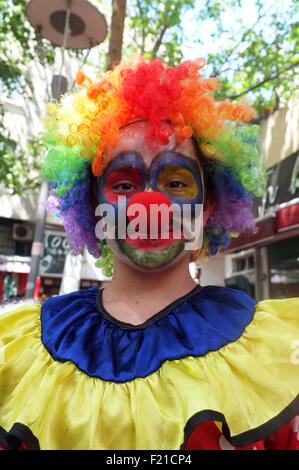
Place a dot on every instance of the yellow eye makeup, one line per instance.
(178, 181)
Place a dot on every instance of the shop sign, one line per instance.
(55, 250)
(275, 211)
(283, 185)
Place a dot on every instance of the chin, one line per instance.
(159, 259)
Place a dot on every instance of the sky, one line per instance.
(248, 13)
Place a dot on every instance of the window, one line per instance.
(7, 244)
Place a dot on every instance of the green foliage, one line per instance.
(257, 60)
(16, 166)
(154, 29)
(19, 168)
(19, 45)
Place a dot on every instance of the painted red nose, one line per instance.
(157, 209)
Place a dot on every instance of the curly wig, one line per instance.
(87, 122)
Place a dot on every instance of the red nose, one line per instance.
(157, 208)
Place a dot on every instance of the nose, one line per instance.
(151, 201)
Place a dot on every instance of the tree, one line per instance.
(255, 59)
(22, 53)
(18, 164)
(154, 29)
(258, 60)
(19, 168)
(116, 32)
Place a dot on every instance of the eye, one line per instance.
(123, 187)
(176, 185)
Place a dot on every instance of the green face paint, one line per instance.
(152, 259)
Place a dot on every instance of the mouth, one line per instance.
(149, 256)
(146, 243)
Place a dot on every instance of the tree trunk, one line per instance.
(116, 32)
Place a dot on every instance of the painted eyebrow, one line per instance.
(125, 152)
(159, 155)
(179, 154)
(110, 166)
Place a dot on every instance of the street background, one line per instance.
(251, 47)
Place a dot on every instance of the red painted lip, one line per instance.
(147, 244)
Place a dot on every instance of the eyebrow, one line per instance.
(176, 152)
(124, 153)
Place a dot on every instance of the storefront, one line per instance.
(14, 271)
(57, 264)
(16, 240)
(15, 247)
(266, 264)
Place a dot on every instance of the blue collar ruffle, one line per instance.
(76, 328)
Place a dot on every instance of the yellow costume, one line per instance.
(246, 375)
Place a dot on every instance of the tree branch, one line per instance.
(143, 32)
(267, 79)
(260, 16)
(159, 40)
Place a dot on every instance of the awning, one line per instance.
(282, 218)
(15, 264)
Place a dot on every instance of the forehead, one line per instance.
(132, 138)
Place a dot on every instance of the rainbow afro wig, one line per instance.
(87, 122)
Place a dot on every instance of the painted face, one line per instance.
(172, 170)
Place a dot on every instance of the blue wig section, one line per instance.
(80, 198)
(233, 211)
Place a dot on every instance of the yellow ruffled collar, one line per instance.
(250, 384)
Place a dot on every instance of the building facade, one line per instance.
(265, 264)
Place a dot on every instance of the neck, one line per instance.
(130, 283)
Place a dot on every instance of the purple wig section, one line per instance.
(232, 214)
(53, 203)
(78, 220)
(77, 235)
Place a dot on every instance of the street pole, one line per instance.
(84, 27)
(38, 242)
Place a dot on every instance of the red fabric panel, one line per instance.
(207, 436)
(22, 282)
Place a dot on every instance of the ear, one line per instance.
(208, 207)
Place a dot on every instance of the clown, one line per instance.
(153, 360)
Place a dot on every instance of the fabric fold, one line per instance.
(250, 381)
(73, 328)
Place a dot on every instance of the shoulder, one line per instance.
(22, 313)
(56, 304)
(221, 295)
(231, 305)
(287, 308)
(228, 298)
(19, 325)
